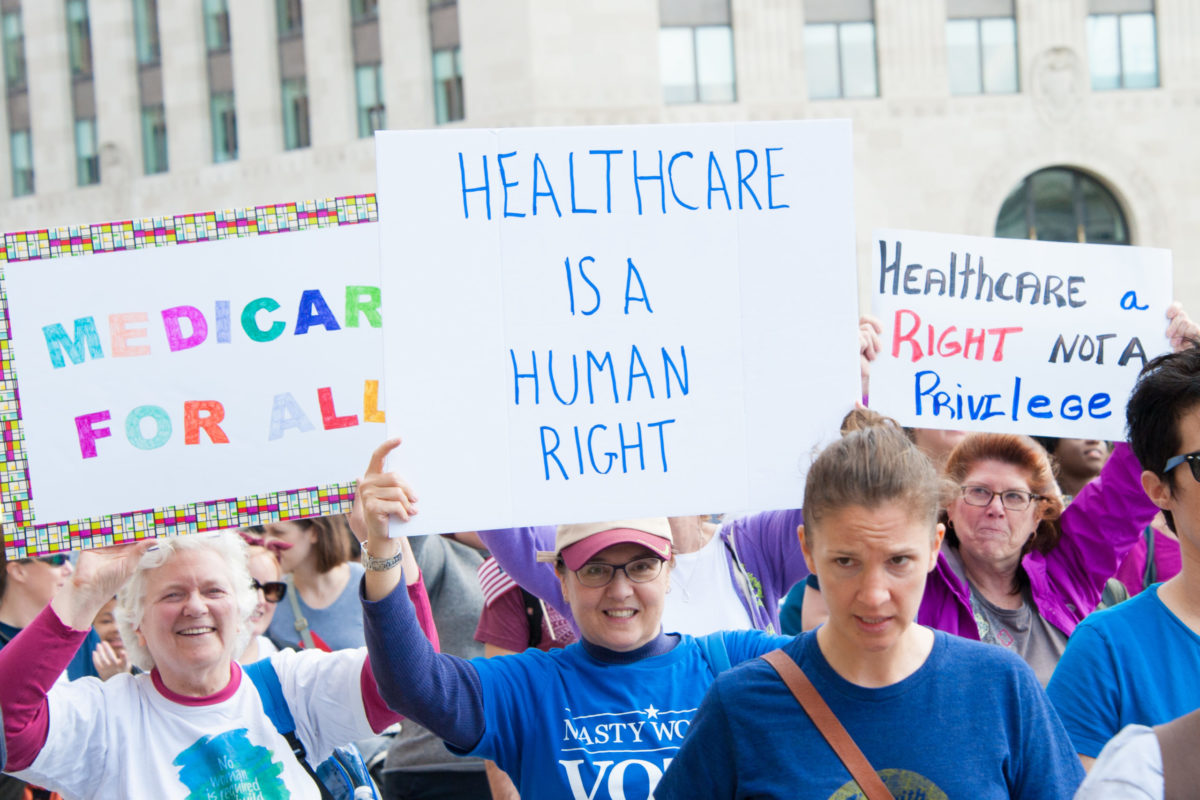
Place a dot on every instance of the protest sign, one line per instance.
(1018, 336)
(167, 389)
(595, 323)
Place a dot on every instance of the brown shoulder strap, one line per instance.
(829, 726)
(1179, 740)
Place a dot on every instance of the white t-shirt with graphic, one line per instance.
(130, 737)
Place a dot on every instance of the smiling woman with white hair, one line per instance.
(191, 725)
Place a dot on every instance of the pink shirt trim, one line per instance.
(235, 680)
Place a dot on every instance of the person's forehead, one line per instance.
(191, 566)
(885, 527)
(1001, 473)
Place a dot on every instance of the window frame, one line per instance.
(838, 27)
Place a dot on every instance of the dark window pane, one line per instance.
(1053, 193)
(1011, 222)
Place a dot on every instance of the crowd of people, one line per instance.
(948, 614)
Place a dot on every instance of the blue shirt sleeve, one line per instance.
(1085, 691)
(441, 692)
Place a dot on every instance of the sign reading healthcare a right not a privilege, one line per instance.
(1010, 335)
(613, 322)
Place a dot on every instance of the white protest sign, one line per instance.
(596, 323)
(1010, 335)
(218, 369)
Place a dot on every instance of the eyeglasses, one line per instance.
(273, 591)
(595, 574)
(1012, 499)
(1193, 460)
(56, 560)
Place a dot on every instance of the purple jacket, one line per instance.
(1099, 528)
(762, 551)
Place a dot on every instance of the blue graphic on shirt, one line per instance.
(228, 766)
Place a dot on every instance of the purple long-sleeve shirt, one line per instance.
(1098, 529)
(762, 552)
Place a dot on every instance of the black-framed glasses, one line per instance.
(595, 574)
(273, 591)
(1012, 499)
(1193, 460)
(56, 560)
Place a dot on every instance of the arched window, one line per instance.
(1059, 204)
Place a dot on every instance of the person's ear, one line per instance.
(804, 548)
(938, 537)
(1157, 489)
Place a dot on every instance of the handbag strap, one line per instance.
(827, 723)
(301, 624)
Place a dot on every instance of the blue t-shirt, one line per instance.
(339, 625)
(973, 722)
(1134, 663)
(565, 725)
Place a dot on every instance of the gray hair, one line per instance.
(131, 600)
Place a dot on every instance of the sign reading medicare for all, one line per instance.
(1011, 335)
(196, 372)
(602, 322)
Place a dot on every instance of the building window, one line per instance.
(79, 38)
(448, 85)
(154, 139)
(145, 32)
(981, 50)
(295, 114)
(368, 83)
(87, 154)
(288, 17)
(364, 10)
(21, 152)
(695, 51)
(224, 126)
(697, 64)
(216, 25)
(1060, 204)
(1122, 44)
(14, 51)
(839, 49)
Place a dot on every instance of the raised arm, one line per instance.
(439, 691)
(37, 656)
(516, 549)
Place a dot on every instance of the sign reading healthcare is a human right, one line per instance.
(1009, 335)
(594, 323)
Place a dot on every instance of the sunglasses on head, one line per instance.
(273, 591)
(56, 560)
(1192, 459)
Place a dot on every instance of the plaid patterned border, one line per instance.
(21, 537)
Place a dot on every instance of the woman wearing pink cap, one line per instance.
(598, 719)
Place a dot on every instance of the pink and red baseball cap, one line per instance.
(578, 543)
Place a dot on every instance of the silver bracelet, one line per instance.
(374, 564)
